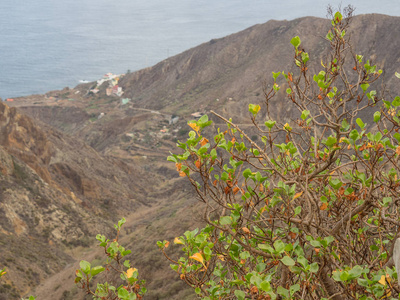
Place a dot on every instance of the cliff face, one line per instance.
(55, 193)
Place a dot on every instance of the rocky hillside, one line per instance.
(112, 149)
(55, 193)
(224, 75)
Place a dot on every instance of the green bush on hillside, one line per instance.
(130, 288)
(311, 209)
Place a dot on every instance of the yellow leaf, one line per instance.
(287, 127)
(388, 278)
(298, 195)
(221, 257)
(129, 272)
(4, 273)
(178, 241)
(194, 126)
(382, 280)
(198, 257)
(398, 150)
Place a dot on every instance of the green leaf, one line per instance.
(302, 260)
(126, 252)
(270, 124)
(297, 210)
(336, 275)
(275, 75)
(377, 116)
(283, 292)
(396, 101)
(397, 136)
(329, 239)
(85, 266)
(335, 183)
(288, 91)
(305, 114)
(225, 220)
(360, 123)
(315, 244)
(288, 261)
(354, 135)
(202, 120)
(254, 109)
(377, 136)
(123, 293)
(279, 246)
(295, 42)
(261, 267)
(314, 267)
(265, 286)
(355, 272)
(305, 57)
(96, 270)
(338, 17)
(240, 294)
(294, 288)
(296, 270)
(172, 158)
(344, 276)
(247, 173)
(266, 247)
(364, 87)
(331, 141)
(329, 36)
(397, 75)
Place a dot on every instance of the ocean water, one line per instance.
(47, 44)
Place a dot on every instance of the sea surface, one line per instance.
(48, 44)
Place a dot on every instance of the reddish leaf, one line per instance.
(398, 150)
(324, 206)
(246, 230)
(203, 141)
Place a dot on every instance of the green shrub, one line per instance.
(310, 210)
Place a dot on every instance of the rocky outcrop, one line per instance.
(55, 192)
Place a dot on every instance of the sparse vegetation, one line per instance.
(131, 288)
